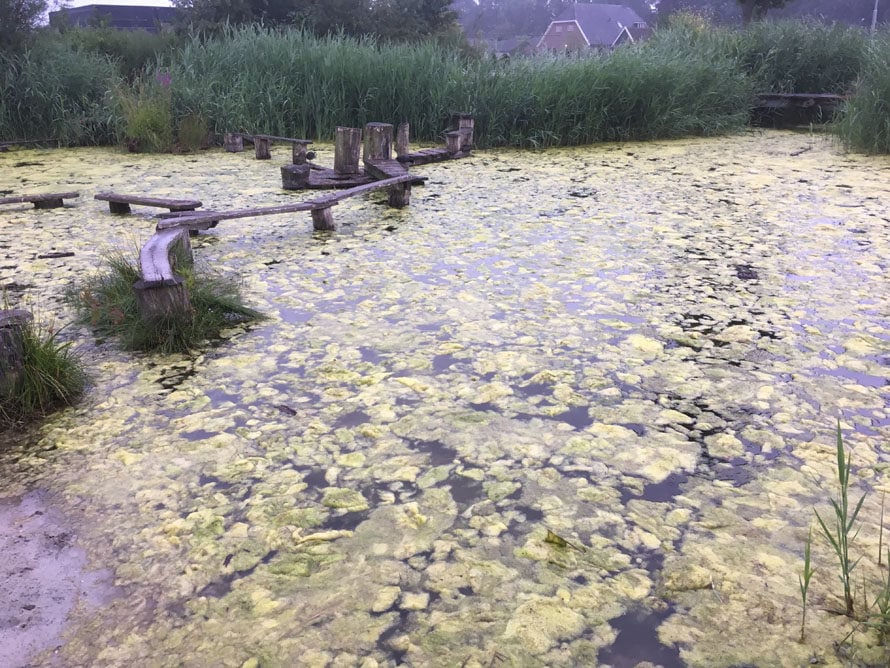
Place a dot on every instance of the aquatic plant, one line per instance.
(842, 533)
(804, 581)
(52, 376)
(106, 302)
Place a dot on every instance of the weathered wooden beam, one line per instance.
(12, 353)
(42, 200)
(378, 141)
(120, 203)
(202, 221)
(323, 219)
(347, 150)
(233, 142)
(400, 195)
(452, 142)
(402, 137)
(161, 293)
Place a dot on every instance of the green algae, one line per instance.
(648, 370)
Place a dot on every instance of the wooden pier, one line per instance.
(795, 108)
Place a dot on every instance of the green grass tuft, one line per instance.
(53, 376)
(106, 301)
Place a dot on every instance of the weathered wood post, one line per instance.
(400, 195)
(465, 125)
(402, 140)
(378, 141)
(233, 142)
(12, 352)
(452, 141)
(161, 293)
(347, 150)
(295, 177)
(262, 145)
(300, 149)
(323, 219)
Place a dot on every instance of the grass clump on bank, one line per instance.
(52, 377)
(106, 301)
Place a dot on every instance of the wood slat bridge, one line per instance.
(119, 203)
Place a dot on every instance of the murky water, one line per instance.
(641, 349)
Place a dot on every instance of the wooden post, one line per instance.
(452, 141)
(400, 195)
(295, 177)
(119, 207)
(299, 153)
(402, 140)
(169, 299)
(323, 220)
(465, 125)
(12, 353)
(262, 145)
(347, 150)
(233, 142)
(378, 141)
(162, 293)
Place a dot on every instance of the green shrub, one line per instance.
(53, 376)
(148, 115)
(106, 301)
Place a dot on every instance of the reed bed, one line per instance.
(864, 123)
(689, 79)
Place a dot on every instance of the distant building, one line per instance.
(593, 26)
(121, 17)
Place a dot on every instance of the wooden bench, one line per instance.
(118, 203)
(40, 201)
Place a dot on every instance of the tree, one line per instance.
(755, 10)
(18, 19)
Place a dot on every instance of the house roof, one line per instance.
(125, 17)
(601, 24)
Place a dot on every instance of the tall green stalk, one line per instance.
(841, 533)
(804, 581)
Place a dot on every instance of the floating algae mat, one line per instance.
(570, 407)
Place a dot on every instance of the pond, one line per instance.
(571, 407)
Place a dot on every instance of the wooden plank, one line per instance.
(333, 198)
(198, 220)
(154, 258)
(171, 204)
(201, 219)
(385, 169)
(287, 139)
(37, 198)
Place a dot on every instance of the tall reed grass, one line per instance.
(691, 78)
(864, 123)
(55, 91)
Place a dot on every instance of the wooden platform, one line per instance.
(826, 101)
(41, 200)
(430, 155)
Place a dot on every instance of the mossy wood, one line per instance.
(41, 200)
(161, 293)
(119, 203)
(12, 354)
(347, 147)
